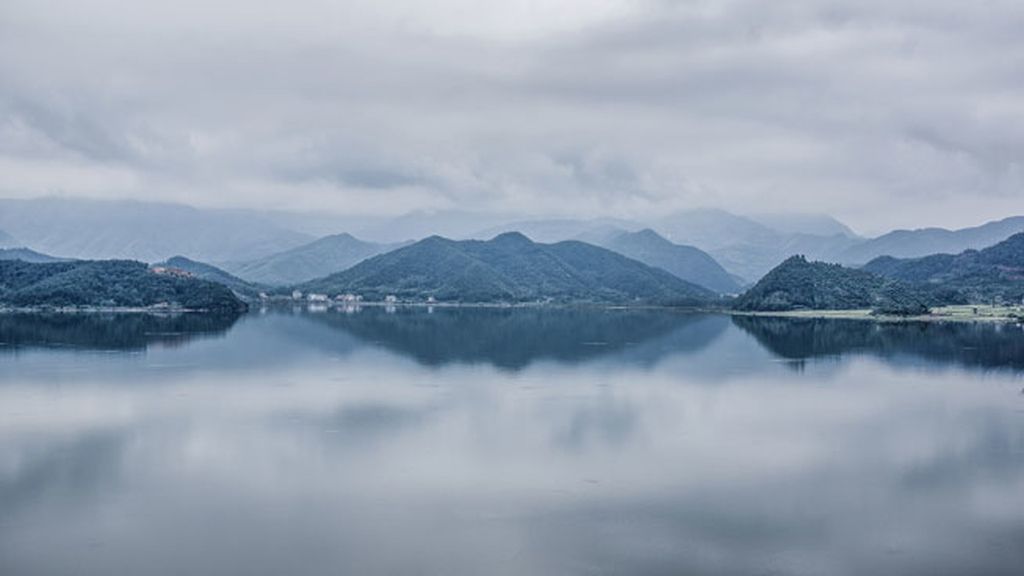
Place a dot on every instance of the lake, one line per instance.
(508, 441)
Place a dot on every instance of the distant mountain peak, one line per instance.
(686, 262)
(797, 284)
(342, 236)
(647, 234)
(512, 238)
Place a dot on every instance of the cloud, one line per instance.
(884, 113)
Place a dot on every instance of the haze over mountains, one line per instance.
(280, 248)
(926, 241)
(145, 231)
(686, 262)
(7, 241)
(26, 255)
(319, 258)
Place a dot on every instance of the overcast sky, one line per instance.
(883, 113)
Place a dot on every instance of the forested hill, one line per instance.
(996, 272)
(686, 262)
(204, 271)
(511, 268)
(798, 284)
(108, 283)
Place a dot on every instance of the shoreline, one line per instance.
(108, 310)
(980, 313)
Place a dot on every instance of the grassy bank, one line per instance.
(971, 313)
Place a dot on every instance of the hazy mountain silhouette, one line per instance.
(510, 268)
(317, 259)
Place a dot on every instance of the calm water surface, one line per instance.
(508, 442)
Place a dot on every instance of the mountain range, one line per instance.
(996, 272)
(927, 241)
(257, 245)
(313, 260)
(510, 268)
(686, 262)
(894, 285)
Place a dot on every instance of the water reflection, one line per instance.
(978, 345)
(106, 331)
(514, 338)
(395, 443)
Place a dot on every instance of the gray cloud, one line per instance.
(883, 113)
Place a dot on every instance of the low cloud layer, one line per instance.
(882, 113)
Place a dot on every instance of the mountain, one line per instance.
(510, 268)
(143, 231)
(927, 241)
(211, 273)
(314, 260)
(996, 272)
(749, 248)
(686, 262)
(754, 259)
(798, 284)
(108, 283)
(27, 255)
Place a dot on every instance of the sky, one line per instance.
(882, 113)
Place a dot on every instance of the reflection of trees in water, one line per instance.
(967, 344)
(122, 331)
(513, 338)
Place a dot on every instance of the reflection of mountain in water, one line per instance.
(106, 331)
(513, 338)
(966, 344)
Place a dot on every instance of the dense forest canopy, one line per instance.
(108, 283)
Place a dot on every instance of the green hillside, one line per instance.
(108, 283)
(511, 268)
(212, 273)
(798, 284)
